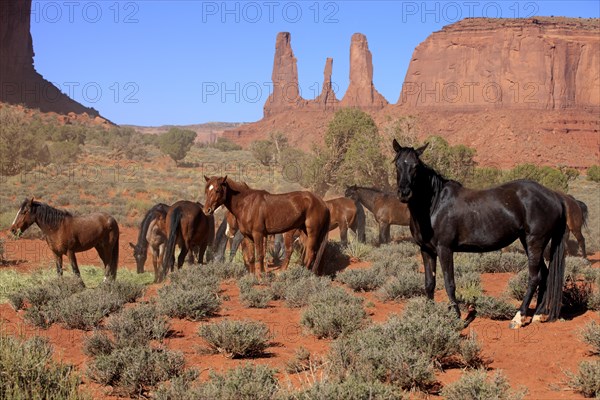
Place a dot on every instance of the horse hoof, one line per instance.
(515, 325)
(539, 318)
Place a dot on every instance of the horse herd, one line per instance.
(444, 217)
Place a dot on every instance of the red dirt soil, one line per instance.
(535, 357)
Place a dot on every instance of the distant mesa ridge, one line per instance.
(20, 83)
(477, 63)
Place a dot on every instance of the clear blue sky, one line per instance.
(185, 62)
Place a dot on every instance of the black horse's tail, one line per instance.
(235, 243)
(211, 245)
(556, 269)
(174, 229)
(220, 242)
(322, 240)
(360, 222)
(114, 257)
(584, 211)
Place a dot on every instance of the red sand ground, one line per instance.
(535, 357)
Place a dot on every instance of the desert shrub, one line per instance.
(402, 286)
(550, 177)
(29, 372)
(351, 389)
(476, 385)
(593, 173)
(138, 325)
(124, 291)
(357, 250)
(190, 294)
(494, 308)
(591, 335)
(97, 344)
(248, 382)
(587, 379)
(594, 299)
(393, 253)
(485, 177)
(517, 285)
(364, 280)
(403, 350)
(224, 270)
(85, 310)
(236, 339)
(333, 312)
(133, 370)
(296, 285)
(225, 144)
(251, 296)
(176, 143)
(491, 262)
(470, 352)
(334, 254)
(300, 362)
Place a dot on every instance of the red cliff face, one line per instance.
(361, 92)
(535, 63)
(20, 83)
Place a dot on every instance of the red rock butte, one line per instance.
(20, 83)
(517, 90)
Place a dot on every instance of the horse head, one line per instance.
(24, 219)
(215, 192)
(351, 192)
(408, 165)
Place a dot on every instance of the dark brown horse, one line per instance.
(577, 213)
(260, 213)
(347, 213)
(188, 227)
(69, 234)
(386, 208)
(140, 250)
(447, 217)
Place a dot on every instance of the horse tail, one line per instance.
(211, 245)
(556, 268)
(220, 242)
(113, 262)
(322, 240)
(584, 211)
(360, 222)
(235, 243)
(174, 228)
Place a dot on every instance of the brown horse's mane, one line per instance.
(48, 215)
(238, 186)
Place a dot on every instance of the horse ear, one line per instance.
(421, 149)
(206, 178)
(224, 179)
(132, 245)
(396, 145)
(31, 202)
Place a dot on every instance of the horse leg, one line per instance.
(259, 241)
(288, 240)
(74, 266)
(248, 253)
(103, 254)
(447, 263)
(311, 247)
(534, 261)
(344, 233)
(201, 251)
(429, 262)
(59, 263)
(384, 233)
(181, 257)
(580, 241)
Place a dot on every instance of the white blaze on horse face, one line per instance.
(211, 187)
(17, 216)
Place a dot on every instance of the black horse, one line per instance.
(447, 217)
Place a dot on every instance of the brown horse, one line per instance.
(69, 234)
(188, 227)
(386, 208)
(347, 213)
(156, 239)
(260, 213)
(140, 250)
(577, 213)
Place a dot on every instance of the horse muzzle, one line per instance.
(209, 211)
(404, 195)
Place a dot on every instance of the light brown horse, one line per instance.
(156, 237)
(386, 208)
(577, 213)
(260, 213)
(347, 213)
(69, 234)
(188, 227)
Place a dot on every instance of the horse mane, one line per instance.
(238, 186)
(49, 215)
(148, 218)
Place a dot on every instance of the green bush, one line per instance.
(587, 379)
(364, 280)
(176, 143)
(97, 344)
(403, 286)
(236, 339)
(517, 285)
(28, 371)
(470, 352)
(333, 312)
(593, 173)
(550, 177)
(225, 144)
(224, 270)
(300, 362)
(476, 385)
(296, 285)
(85, 310)
(494, 308)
